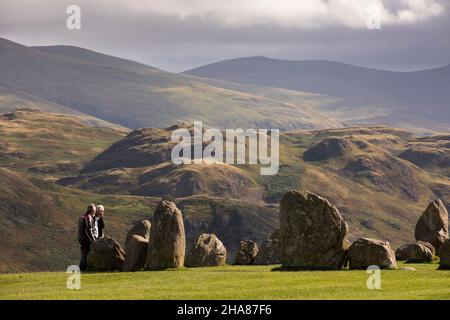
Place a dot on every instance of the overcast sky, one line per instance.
(177, 35)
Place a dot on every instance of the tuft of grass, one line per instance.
(232, 282)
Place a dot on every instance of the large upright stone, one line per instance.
(106, 255)
(366, 252)
(207, 251)
(313, 234)
(432, 226)
(168, 239)
(141, 228)
(247, 253)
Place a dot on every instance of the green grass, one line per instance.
(231, 282)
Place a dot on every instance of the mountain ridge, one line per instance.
(135, 95)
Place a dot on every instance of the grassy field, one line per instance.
(232, 282)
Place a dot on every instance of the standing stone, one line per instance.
(247, 253)
(415, 252)
(136, 253)
(106, 255)
(444, 263)
(432, 226)
(141, 228)
(366, 252)
(168, 239)
(269, 253)
(207, 251)
(313, 234)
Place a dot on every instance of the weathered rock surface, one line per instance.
(313, 234)
(365, 252)
(247, 253)
(136, 253)
(207, 251)
(269, 253)
(168, 240)
(106, 255)
(444, 263)
(141, 228)
(432, 225)
(415, 252)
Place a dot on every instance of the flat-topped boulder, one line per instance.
(415, 252)
(365, 252)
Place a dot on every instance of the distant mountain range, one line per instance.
(416, 100)
(244, 92)
(75, 80)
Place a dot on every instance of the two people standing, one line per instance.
(90, 228)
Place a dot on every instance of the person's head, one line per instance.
(100, 211)
(91, 209)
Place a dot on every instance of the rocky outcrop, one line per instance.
(141, 228)
(136, 253)
(415, 252)
(168, 240)
(432, 225)
(313, 234)
(106, 255)
(207, 251)
(247, 253)
(366, 252)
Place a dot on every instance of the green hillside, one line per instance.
(364, 171)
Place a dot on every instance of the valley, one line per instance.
(54, 164)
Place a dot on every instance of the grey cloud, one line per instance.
(176, 44)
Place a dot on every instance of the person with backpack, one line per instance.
(86, 234)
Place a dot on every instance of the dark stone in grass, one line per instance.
(366, 252)
(444, 263)
(136, 253)
(247, 253)
(106, 255)
(207, 251)
(415, 252)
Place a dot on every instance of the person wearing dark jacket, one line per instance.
(86, 234)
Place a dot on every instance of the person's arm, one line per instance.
(88, 229)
